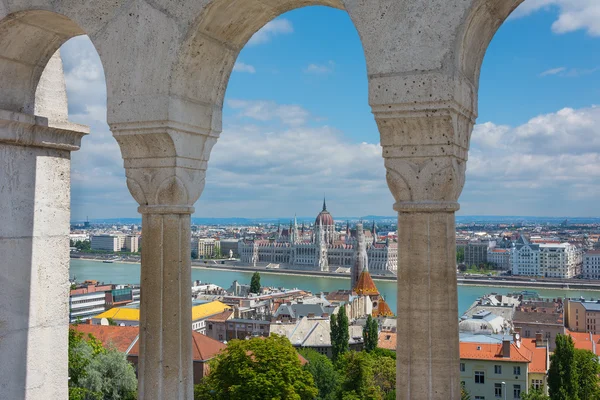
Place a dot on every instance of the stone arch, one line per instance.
(481, 24)
(28, 40)
(207, 55)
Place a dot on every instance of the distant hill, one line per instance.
(462, 219)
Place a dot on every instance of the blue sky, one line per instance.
(297, 124)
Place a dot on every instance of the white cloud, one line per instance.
(573, 14)
(320, 69)
(569, 72)
(547, 166)
(260, 110)
(243, 67)
(280, 26)
(553, 71)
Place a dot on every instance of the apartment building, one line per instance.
(500, 258)
(583, 315)
(476, 252)
(115, 243)
(206, 247)
(551, 260)
(591, 265)
(496, 367)
(90, 298)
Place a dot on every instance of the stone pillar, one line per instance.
(35, 182)
(165, 164)
(425, 155)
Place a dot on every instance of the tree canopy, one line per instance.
(573, 373)
(370, 334)
(257, 369)
(326, 378)
(255, 283)
(340, 335)
(98, 373)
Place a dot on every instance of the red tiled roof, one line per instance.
(583, 340)
(387, 340)
(493, 351)
(365, 285)
(539, 357)
(120, 337)
(383, 310)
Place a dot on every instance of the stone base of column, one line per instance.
(165, 366)
(427, 352)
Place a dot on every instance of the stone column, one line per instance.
(425, 155)
(165, 164)
(35, 182)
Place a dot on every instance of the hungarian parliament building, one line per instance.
(321, 249)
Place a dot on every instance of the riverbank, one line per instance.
(501, 282)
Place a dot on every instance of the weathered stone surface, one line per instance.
(167, 64)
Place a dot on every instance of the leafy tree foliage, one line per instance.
(464, 395)
(370, 334)
(324, 374)
(81, 245)
(562, 375)
(255, 283)
(588, 369)
(340, 334)
(97, 373)
(534, 394)
(257, 369)
(460, 254)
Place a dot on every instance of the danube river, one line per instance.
(130, 273)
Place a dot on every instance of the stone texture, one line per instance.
(167, 64)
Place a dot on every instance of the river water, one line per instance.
(130, 273)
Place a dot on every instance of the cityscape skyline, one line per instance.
(297, 123)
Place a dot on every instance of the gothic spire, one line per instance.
(324, 205)
(374, 233)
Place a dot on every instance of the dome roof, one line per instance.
(324, 218)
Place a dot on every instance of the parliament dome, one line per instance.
(324, 218)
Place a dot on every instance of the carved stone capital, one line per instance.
(425, 151)
(165, 164)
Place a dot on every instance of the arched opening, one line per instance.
(36, 140)
(535, 151)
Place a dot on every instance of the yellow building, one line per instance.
(507, 369)
(583, 315)
(129, 315)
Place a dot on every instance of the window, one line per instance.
(517, 391)
(516, 370)
(497, 369)
(479, 398)
(479, 377)
(210, 327)
(462, 367)
(498, 389)
(537, 383)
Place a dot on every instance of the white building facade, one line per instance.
(591, 265)
(321, 250)
(551, 260)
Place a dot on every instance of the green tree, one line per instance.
(257, 369)
(562, 374)
(464, 395)
(588, 384)
(357, 370)
(339, 333)
(255, 283)
(109, 373)
(384, 375)
(460, 254)
(370, 334)
(324, 374)
(97, 373)
(534, 394)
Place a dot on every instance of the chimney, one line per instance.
(506, 348)
(539, 340)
